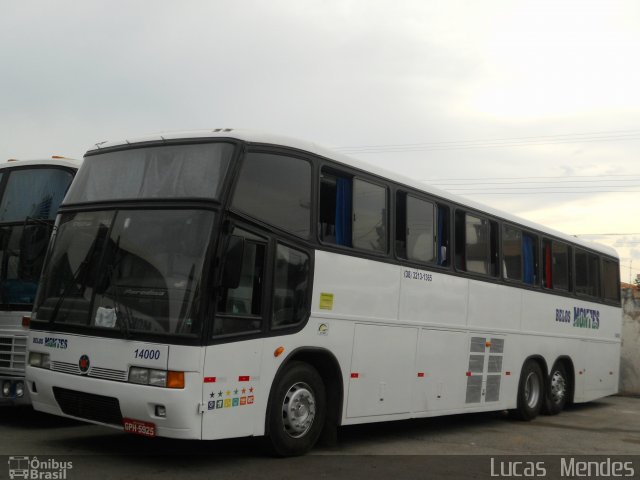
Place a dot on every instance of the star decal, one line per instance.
(244, 390)
(212, 394)
(235, 392)
(251, 390)
(228, 392)
(220, 393)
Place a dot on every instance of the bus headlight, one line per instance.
(6, 389)
(156, 378)
(139, 375)
(41, 360)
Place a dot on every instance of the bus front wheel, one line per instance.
(530, 391)
(297, 410)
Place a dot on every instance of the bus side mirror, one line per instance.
(232, 267)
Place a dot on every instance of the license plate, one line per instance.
(137, 427)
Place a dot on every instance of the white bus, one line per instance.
(223, 284)
(30, 193)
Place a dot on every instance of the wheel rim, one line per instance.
(532, 390)
(298, 410)
(558, 387)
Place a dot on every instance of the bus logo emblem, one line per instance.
(84, 364)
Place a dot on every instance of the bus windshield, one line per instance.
(30, 200)
(163, 172)
(137, 271)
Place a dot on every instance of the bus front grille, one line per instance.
(13, 352)
(95, 372)
(89, 406)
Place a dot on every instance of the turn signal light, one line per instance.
(175, 379)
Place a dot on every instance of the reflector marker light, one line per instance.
(278, 351)
(355, 375)
(468, 374)
(487, 344)
(209, 379)
(26, 320)
(507, 373)
(244, 378)
(420, 374)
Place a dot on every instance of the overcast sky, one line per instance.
(532, 107)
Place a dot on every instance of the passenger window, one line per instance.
(335, 209)
(415, 233)
(476, 244)
(529, 259)
(560, 260)
(611, 280)
(240, 309)
(587, 275)
(369, 216)
(291, 284)
(512, 253)
(353, 213)
(277, 190)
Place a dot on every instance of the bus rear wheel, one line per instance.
(557, 390)
(297, 410)
(530, 391)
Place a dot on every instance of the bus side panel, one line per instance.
(355, 288)
(233, 392)
(382, 370)
(494, 306)
(433, 298)
(441, 365)
(602, 369)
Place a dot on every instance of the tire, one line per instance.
(557, 390)
(297, 410)
(530, 391)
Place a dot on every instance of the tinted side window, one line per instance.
(277, 190)
(587, 275)
(415, 232)
(560, 265)
(530, 267)
(240, 309)
(291, 283)
(369, 216)
(512, 253)
(610, 280)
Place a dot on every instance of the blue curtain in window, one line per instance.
(343, 211)
(528, 273)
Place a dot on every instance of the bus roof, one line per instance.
(59, 161)
(256, 137)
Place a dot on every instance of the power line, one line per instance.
(558, 182)
(605, 136)
(547, 187)
(547, 177)
(604, 234)
(550, 193)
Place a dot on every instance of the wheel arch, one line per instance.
(539, 359)
(327, 365)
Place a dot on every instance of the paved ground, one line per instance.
(454, 447)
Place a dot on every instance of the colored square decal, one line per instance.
(220, 404)
(326, 301)
(227, 402)
(249, 399)
(243, 400)
(236, 401)
(212, 405)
